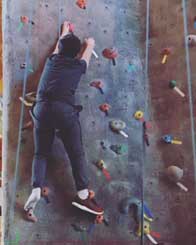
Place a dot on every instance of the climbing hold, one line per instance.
(119, 149)
(98, 85)
(24, 19)
(147, 231)
(31, 216)
(175, 174)
(139, 115)
(172, 85)
(78, 227)
(191, 39)
(131, 67)
(111, 54)
(81, 4)
(45, 193)
(24, 65)
(101, 165)
(166, 52)
(117, 126)
(105, 108)
(103, 145)
(99, 219)
(170, 140)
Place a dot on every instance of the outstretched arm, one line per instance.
(64, 32)
(86, 55)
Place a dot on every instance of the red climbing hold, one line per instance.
(99, 219)
(111, 54)
(98, 85)
(105, 108)
(24, 19)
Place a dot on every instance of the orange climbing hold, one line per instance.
(81, 4)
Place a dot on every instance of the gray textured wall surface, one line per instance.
(111, 23)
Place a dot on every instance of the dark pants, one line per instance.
(57, 115)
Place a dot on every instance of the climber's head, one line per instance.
(69, 46)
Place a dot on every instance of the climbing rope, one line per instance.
(189, 80)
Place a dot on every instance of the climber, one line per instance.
(55, 109)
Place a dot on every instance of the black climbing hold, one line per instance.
(105, 31)
(118, 149)
(78, 227)
(103, 145)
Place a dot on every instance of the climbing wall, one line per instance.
(136, 170)
(112, 24)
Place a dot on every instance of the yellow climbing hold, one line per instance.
(139, 115)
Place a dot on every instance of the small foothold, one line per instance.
(99, 219)
(105, 31)
(103, 145)
(105, 108)
(166, 52)
(78, 227)
(45, 191)
(24, 19)
(100, 164)
(23, 66)
(30, 216)
(119, 149)
(139, 115)
(191, 40)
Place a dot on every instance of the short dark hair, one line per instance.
(69, 45)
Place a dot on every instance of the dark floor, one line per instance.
(112, 23)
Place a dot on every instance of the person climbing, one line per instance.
(55, 109)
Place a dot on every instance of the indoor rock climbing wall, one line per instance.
(134, 168)
(113, 24)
